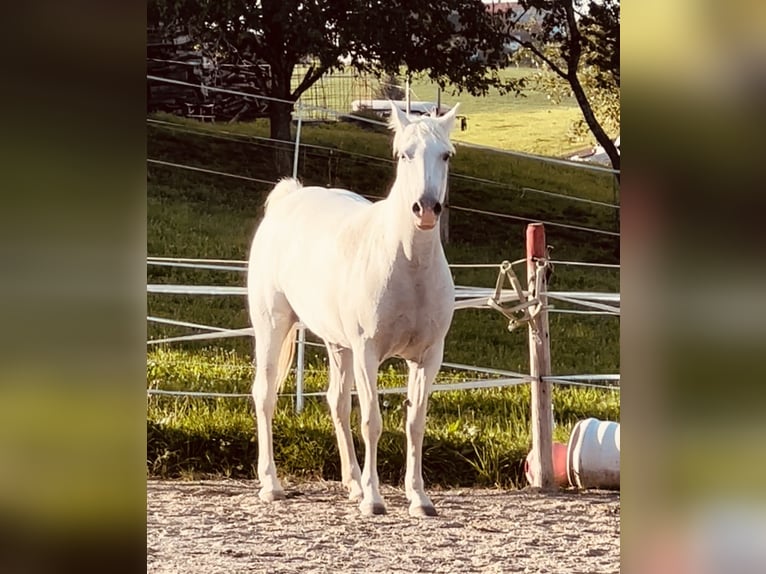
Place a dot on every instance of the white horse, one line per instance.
(372, 281)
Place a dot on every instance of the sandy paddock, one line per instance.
(217, 527)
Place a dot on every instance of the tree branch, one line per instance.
(573, 63)
(536, 51)
(520, 16)
(575, 40)
(309, 79)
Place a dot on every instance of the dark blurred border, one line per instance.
(72, 363)
(694, 298)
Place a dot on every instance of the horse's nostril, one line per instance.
(416, 208)
(437, 208)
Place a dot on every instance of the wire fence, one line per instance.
(465, 297)
(301, 106)
(451, 206)
(259, 140)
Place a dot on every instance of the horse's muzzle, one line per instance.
(426, 212)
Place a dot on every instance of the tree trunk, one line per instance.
(280, 117)
(573, 64)
(590, 118)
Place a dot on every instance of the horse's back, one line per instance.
(289, 200)
(310, 223)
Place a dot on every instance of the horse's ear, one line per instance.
(447, 121)
(398, 120)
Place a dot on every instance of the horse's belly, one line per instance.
(315, 302)
(323, 324)
(408, 333)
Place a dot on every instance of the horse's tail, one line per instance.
(284, 187)
(286, 354)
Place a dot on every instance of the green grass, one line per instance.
(473, 437)
(529, 123)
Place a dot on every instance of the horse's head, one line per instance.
(423, 148)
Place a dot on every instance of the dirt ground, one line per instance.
(217, 527)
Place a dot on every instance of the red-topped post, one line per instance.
(541, 461)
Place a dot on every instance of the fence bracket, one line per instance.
(530, 307)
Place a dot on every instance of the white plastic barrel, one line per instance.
(593, 454)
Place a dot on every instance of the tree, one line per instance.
(280, 33)
(579, 41)
(603, 94)
(455, 42)
(452, 40)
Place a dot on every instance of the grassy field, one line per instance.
(529, 123)
(473, 437)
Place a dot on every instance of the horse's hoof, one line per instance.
(420, 511)
(271, 495)
(355, 493)
(373, 508)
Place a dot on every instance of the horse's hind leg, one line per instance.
(339, 397)
(273, 325)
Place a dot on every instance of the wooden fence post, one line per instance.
(541, 463)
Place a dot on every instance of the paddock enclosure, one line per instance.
(221, 527)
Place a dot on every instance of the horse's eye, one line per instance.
(446, 156)
(404, 156)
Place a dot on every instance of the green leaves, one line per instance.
(579, 40)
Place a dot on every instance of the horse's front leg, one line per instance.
(366, 373)
(339, 398)
(421, 375)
